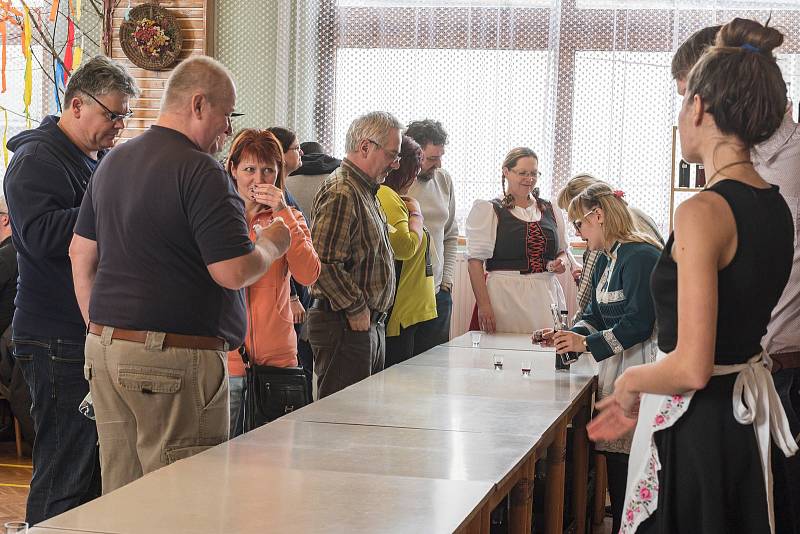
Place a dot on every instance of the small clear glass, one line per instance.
(526, 368)
(476, 338)
(16, 527)
(498, 362)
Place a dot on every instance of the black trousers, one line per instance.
(342, 356)
(401, 348)
(617, 468)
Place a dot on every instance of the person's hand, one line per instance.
(611, 422)
(274, 237)
(544, 337)
(359, 322)
(625, 396)
(566, 341)
(486, 319)
(557, 266)
(576, 274)
(411, 204)
(298, 311)
(268, 195)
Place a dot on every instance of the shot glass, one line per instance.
(476, 338)
(526, 368)
(16, 527)
(498, 362)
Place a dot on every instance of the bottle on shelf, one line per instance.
(700, 177)
(683, 174)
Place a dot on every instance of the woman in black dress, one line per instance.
(706, 408)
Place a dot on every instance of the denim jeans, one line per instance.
(236, 391)
(436, 331)
(66, 470)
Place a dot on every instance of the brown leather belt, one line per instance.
(179, 341)
(787, 360)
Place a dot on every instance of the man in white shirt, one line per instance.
(434, 192)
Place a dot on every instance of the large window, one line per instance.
(586, 84)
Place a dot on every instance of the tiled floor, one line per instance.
(15, 475)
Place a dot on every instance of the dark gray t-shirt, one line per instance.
(161, 210)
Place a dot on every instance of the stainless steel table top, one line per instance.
(494, 341)
(204, 495)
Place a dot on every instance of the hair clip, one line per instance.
(619, 193)
(751, 48)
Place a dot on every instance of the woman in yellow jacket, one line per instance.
(415, 300)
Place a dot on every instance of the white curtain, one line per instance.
(585, 83)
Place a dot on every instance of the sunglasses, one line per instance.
(579, 222)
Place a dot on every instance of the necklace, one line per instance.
(740, 162)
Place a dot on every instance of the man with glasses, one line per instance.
(356, 286)
(44, 186)
(437, 199)
(162, 302)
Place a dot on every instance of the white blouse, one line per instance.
(481, 227)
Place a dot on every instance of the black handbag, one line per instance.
(271, 392)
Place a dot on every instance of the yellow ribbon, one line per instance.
(5, 133)
(26, 49)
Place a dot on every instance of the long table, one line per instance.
(431, 445)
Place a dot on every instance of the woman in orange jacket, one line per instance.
(256, 166)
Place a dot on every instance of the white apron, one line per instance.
(755, 402)
(521, 302)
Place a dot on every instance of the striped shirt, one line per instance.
(351, 237)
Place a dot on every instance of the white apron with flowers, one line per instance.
(755, 402)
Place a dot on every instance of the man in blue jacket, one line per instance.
(44, 186)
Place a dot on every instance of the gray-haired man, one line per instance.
(44, 186)
(356, 286)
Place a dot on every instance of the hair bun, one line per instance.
(739, 32)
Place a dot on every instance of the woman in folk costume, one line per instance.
(520, 239)
(617, 325)
(700, 460)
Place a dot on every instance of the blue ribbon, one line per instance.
(751, 48)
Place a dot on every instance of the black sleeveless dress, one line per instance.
(711, 480)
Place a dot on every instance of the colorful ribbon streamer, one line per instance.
(68, 57)
(53, 11)
(26, 50)
(3, 65)
(5, 133)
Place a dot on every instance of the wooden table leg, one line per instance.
(600, 482)
(554, 498)
(580, 469)
(521, 509)
(481, 524)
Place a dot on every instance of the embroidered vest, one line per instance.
(523, 246)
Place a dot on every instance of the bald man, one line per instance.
(162, 301)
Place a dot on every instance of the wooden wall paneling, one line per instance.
(193, 18)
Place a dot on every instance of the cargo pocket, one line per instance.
(185, 448)
(149, 379)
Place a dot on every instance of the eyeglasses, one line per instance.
(391, 153)
(113, 116)
(579, 222)
(526, 174)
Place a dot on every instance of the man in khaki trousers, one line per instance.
(160, 253)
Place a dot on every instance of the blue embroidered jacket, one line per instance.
(620, 313)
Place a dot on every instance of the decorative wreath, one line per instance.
(151, 37)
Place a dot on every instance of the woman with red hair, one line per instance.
(256, 166)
